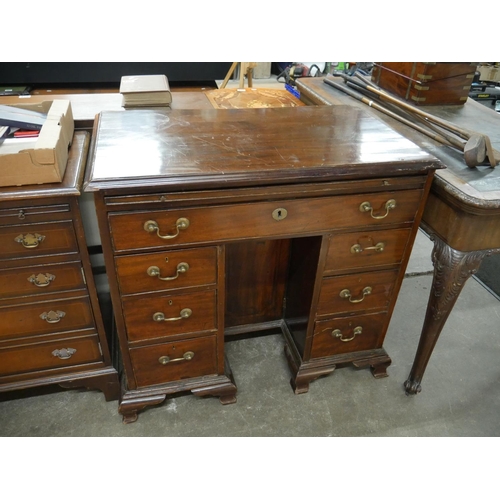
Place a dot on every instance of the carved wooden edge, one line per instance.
(130, 405)
(378, 364)
(304, 372)
(104, 379)
(475, 205)
(107, 383)
(224, 387)
(452, 269)
(221, 386)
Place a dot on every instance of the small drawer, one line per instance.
(356, 292)
(173, 361)
(33, 213)
(41, 318)
(167, 270)
(343, 335)
(35, 240)
(38, 280)
(47, 355)
(142, 230)
(366, 249)
(173, 314)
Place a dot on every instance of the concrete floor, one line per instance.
(460, 396)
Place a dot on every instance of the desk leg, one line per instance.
(452, 269)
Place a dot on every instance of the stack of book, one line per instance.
(19, 121)
(145, 91)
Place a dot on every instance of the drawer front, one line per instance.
(36, 280)
(343, 335)
(365, 249)
(257, 220)
(173, 361)
(33, 213)
(35, 240)
(48, 355)
(168, 314)
(45, 317)
(167, 270)
(356, 292)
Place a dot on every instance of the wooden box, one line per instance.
(42, 159)
(426, 84)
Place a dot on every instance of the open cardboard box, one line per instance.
(42, 159)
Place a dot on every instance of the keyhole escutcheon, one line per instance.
(280, 214)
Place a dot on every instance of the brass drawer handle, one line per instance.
(29, 240)
(182, 267)
(150, 226)
(52, 316)
(187, 356)
(357, 248)
(64, 353)
(367, 207)
(338, 334)
(41, 280)
(185, 313)
(346, 294)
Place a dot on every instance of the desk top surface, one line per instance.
(233, 147)
(478, 187)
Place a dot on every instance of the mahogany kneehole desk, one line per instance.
(221, 222)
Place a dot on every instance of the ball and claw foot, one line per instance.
(412, 387)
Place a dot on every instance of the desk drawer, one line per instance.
(47, 355)
(172, 361)
(343, 335)
(45, 317)
(38, 280)
(35, 240)
(167, 270)
(365, 249)
(356, 292)
(33, 213)
(166, 315)
(257, 220)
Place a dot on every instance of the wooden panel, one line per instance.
(381, 284)
(255, 220)
(149, 370)
(255, 281)
(139, 314)
(26, 320)
(41, 356)
(370, 336)
(133, 274)
(54, 238)
(365, 249)
(38, 280)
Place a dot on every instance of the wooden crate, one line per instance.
(426, 84)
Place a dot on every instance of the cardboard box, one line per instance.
(42, 159)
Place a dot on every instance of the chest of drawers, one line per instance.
(223, 222)
(51, 330)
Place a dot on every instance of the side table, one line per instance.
(462, 213)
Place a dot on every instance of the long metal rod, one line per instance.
(380, 108)
(450, 137)
(434, 119)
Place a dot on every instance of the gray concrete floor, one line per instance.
(460, 396)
